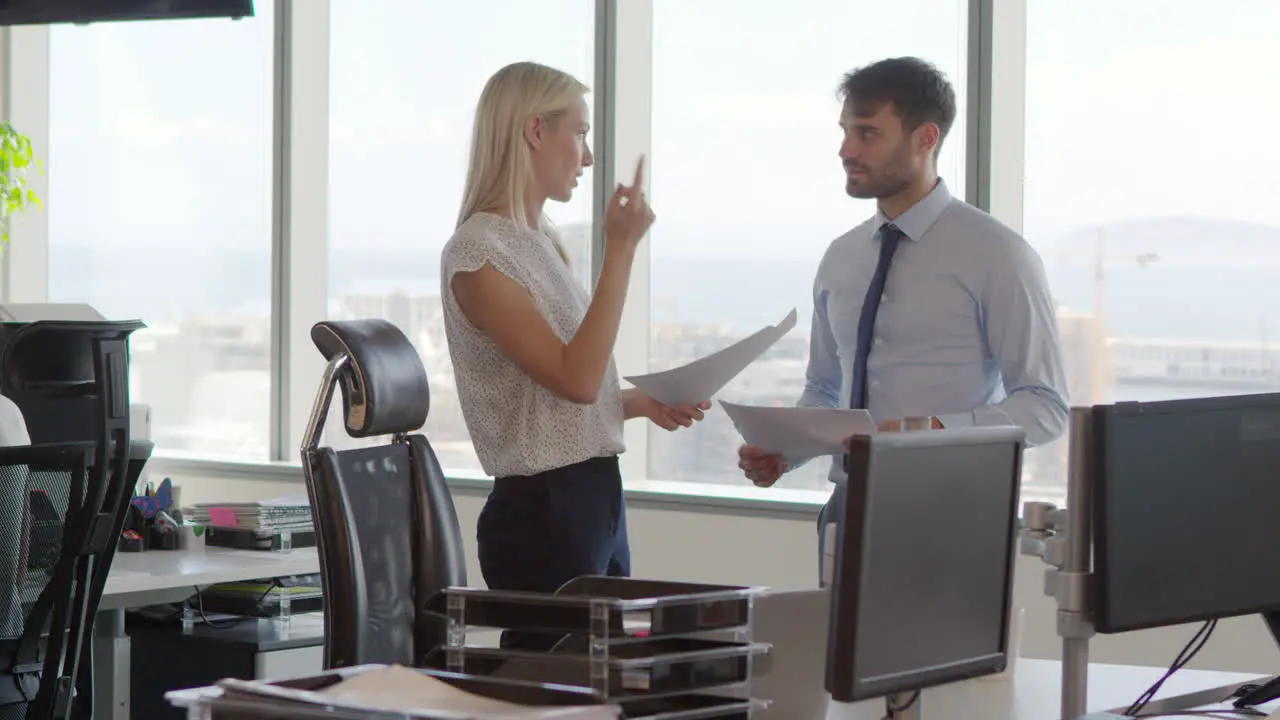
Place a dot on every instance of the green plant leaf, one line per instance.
(16, 159)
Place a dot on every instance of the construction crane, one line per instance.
(1099, 358)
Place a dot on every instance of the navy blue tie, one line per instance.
(890, 236)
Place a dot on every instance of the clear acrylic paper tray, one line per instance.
(650, 667)
(600, 606)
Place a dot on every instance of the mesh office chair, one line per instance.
(62, 507)
(59, 518)
(386, 528)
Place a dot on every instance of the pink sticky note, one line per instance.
(222, 517)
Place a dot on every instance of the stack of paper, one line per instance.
(400, 689)
(286, 513)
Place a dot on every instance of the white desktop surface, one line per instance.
(1032, 693)
(134, 575)
(165, 576)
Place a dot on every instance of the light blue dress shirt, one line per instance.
(966, 329)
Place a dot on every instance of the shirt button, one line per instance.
(884, 298)
(878, 341)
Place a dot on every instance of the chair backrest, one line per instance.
(386, 528)
(63, 502)
(60, 513)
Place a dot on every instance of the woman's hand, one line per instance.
(628, 216)
(674, 417)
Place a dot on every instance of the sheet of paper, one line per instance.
(798, 433)
(410, 694)
(399, 689)
(701, 379)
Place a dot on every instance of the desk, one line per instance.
(161, 576)
(166, 576)
(253, 649)
(1033, 692)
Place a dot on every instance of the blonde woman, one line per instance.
(532, 352)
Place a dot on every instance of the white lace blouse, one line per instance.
(517, 426)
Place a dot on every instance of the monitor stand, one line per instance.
(910, 707)
(1248, 695)
(1269, 690)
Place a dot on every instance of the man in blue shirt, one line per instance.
(932, 308)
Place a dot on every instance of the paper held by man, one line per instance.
(798, 433)
(701, 379)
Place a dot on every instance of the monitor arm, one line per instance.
(904, 706)
(1046, 533)
(1064, 539)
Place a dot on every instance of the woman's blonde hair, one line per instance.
(501, 166)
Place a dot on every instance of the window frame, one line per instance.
(995, 109)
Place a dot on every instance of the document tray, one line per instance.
(660, 666)
(614, 607)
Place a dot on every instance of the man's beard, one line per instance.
(889, 181)
(877, 189)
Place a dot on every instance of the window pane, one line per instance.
(406, 75)
(160, 209)
(749, 190)
(1148, 170)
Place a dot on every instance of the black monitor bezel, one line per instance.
(841, 670)
(1101, 415)
(79, 12)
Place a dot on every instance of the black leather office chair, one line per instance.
(386, 528)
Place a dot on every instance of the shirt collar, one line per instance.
(917, 220)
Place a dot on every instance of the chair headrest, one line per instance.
(384, 386)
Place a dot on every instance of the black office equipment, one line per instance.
(45, 12)
(924, 562)
(1184, 511)
(256, 539)
(385, 526)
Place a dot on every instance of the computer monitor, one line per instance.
(1186, 495)
(924, 561)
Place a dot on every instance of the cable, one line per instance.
(1188, 652)
(895, 710)
(232, 622)
(215, 624)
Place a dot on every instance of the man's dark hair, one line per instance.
(919, 92)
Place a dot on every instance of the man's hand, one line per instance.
(902, 424)
(760, 467)
(899, 425)
(673, 417)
